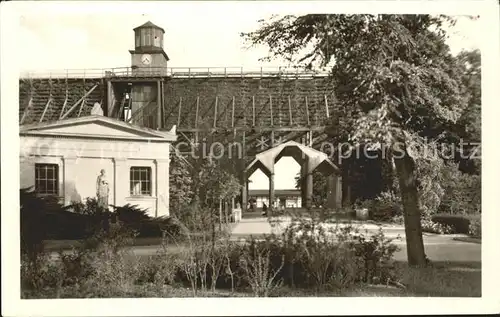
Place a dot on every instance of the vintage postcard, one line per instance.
(249, 158)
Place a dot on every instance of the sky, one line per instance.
(197, 34)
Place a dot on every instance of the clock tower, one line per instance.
(148, 55)
(144, 94)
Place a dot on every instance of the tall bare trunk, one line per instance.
(405, 168)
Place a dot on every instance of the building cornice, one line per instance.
(60, 135)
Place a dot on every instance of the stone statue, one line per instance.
(102, 188)
(96, 110)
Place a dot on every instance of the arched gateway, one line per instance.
(310, 160)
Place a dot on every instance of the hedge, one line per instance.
(459, 223)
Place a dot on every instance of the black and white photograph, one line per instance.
(249, 152)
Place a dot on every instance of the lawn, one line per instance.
(444, 279)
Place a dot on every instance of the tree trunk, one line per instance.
(405, 168)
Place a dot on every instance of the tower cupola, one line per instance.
(148, 52)
(149, 36)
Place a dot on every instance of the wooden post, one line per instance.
(28, 108)
(244, 197)
(220, 210)
(232, 115)
(66, 98)
(179, 113)
(307, 113)
(83, 100)
(309, 188)
(253, 110)
(215, 110)
(48, 101)
(163, 117)
(196, 118)
(159, 105)
(64, 104)
(303, 183)
(326, 107)
(331, 192)
(110, 104)
(244, 194)
(45, 109)
(279, 113)
(271, 192)
(271, 109)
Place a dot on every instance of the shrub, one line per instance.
(308, 255)
(322, 263)
(33, 210)
(40, 273)
(384, 207)
(431, 226)
(475, 228)
(130, 214)
(462, 192)
(66, 225)
(96, 219)
(374, 255)
(114, 272)
(457, 223)
(168, 227)
(258, 271)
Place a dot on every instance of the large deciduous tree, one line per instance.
(397, 84)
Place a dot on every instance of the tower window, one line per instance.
(157, 41)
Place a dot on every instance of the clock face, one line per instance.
(146, 59)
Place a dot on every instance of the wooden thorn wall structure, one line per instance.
(254, 112)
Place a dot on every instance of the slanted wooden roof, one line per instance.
(149, 25)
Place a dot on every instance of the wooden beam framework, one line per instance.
(45, 109)
(28, 107)
(48, 101)
(78, 102)
(257, 129)
(65, 99)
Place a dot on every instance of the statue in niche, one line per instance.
(102, 188)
